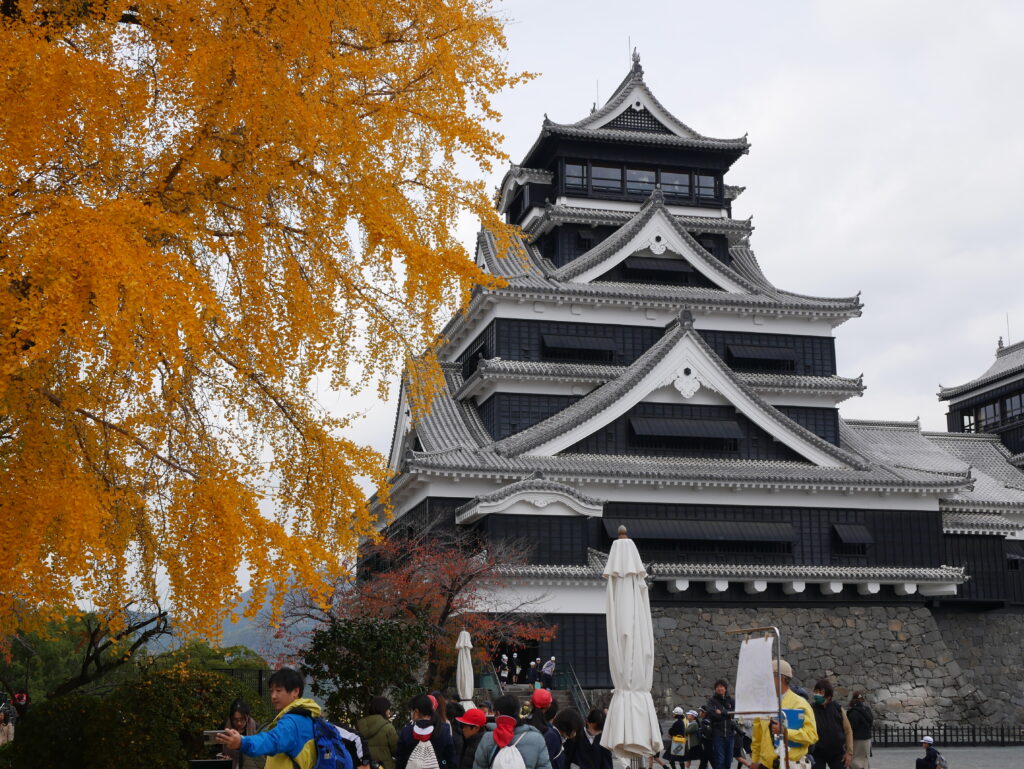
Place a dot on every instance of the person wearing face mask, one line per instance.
(835, 736)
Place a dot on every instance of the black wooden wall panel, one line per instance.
(985, 559)
(823, 422)
(817, 353)
(550, 539)
(524, 339)
(615, 438)
(505, 414)
(582, 642)
(892, 530)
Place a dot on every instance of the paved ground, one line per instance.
(958, 758)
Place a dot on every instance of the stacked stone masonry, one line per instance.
(915, 665)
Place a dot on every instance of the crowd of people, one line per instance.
(819, 733)
(12, 707)
(517, 670)
(542, 734)
(439, 734)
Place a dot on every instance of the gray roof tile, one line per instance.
(852, 573)
(736, 572)
(591, 373)
(555, 214)
(535, 482)
(608, 246)
(1009, 362)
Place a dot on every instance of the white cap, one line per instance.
(693, 713)
(677, 711)
(926, 740)
(504, 657)
(552, 659)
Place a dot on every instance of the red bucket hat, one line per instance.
(541, 698)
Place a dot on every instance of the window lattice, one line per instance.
(637, 120)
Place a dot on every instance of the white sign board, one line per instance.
(755, 689)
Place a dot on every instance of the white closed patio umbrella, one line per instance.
(464, 670)
(631, 728)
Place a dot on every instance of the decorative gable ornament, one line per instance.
(657, 244)
(687, 383)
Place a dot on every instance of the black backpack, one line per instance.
(705, 730)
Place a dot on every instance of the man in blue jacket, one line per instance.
(289, 737)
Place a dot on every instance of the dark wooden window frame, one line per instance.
(588, 188)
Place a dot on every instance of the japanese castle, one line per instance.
(638, 368)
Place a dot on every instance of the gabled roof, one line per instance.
(472, 454)
(633, 96)
(654, 228)
(681, 354)
(530, 276)
(517, 176)
(538, 491)
(1009, 362)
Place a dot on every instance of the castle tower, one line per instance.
(992, 403)
(639, 368)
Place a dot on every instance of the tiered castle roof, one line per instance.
(968, 477)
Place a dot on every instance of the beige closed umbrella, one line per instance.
(464, 669)
(631, 727)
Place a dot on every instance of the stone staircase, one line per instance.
(523, 692)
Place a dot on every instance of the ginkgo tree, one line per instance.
(204, 206)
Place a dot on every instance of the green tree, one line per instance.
(79, 652)
(352, 660)
(156, 722)
(200, 655)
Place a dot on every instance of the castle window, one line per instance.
(766, 358)
(595, 349)
(576, 177)
(639, 182)
(705, 186)
(987, 415)
(967, 422)
(606, 178)
(1013, 407)
(675, 185)
(710, 435)
(851, 539)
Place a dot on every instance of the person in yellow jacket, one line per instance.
(289, 737)
(762, 749)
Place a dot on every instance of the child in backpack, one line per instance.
(510, 744)
(425, 743)
(932, 758)
(290, 739)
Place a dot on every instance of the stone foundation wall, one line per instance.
(989, 648)
(915, 667)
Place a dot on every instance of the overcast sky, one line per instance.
(887, 157)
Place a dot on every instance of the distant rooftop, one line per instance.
(1009, 362)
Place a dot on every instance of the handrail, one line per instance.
(576, 692)
(497, 678)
